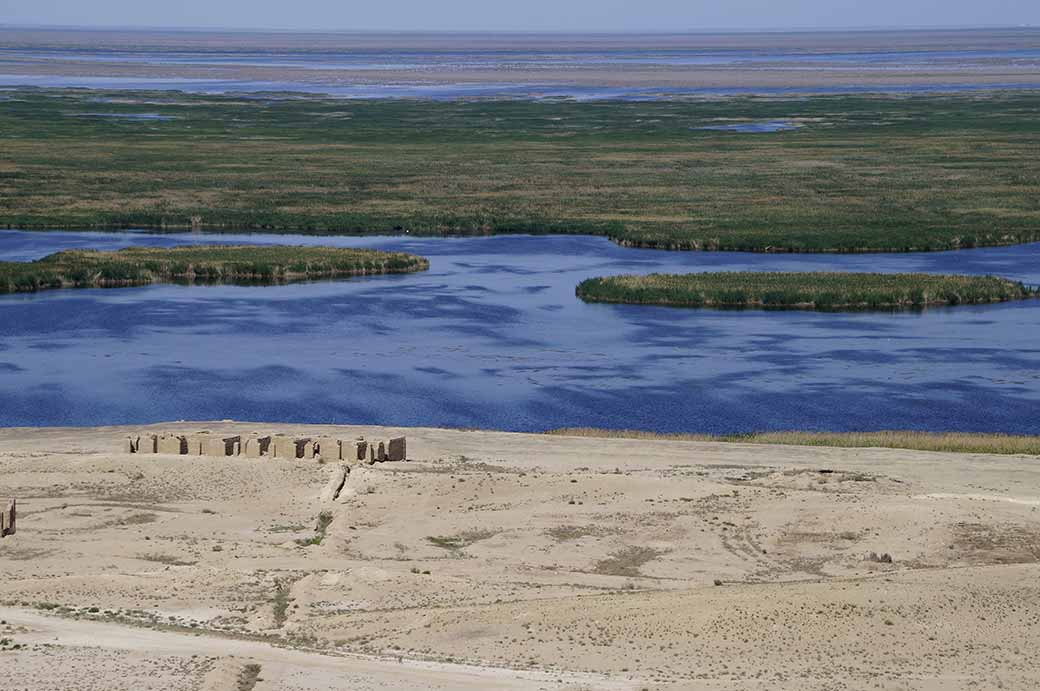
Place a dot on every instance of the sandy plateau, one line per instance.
(514, 561)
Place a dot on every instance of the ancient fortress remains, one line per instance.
(7, 518)
(279, 446)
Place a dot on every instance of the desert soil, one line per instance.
(513, 561)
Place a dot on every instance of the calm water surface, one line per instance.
(492, 336)
(449, 91)
(414, 72)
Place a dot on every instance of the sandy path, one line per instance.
(283, 668)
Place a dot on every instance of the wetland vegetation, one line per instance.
(815, 290)
(949, 442)
(136, 266)
(854, 173)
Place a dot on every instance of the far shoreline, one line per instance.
(955, 442)
(390, 234)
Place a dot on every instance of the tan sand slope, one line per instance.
(499, 560)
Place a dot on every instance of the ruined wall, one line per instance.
(261, 445)
(7, 518)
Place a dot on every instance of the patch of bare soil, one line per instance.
(518, 561)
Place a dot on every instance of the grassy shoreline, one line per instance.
(825, 291)
(950, 442)
(860, 173)
(138, 266)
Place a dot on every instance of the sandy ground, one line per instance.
(495, 560)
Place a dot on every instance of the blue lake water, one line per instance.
(493, 337)
(759, 127)
(126, 116)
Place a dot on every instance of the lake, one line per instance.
(493, 337)
(525, 65)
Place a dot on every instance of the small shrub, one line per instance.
(456, 543)
(626, 562)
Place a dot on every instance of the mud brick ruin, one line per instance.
(278, 446)
(7, 518)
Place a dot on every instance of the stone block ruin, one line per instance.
(7, 518)
(278, 446)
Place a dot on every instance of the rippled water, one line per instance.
(492, 336)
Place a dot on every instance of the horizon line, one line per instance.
(566, 32)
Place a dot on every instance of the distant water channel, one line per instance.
(493, 337)
(621, 67)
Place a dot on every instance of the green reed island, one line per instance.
(852, 173)
(797, 290)
(137, 266)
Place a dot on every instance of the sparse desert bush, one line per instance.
(280, 603)
(565, 533)
(137, 519)
(167, 559)
(459, 541)
(248, 678)
(322, 525)
(626, 562)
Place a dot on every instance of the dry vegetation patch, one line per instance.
(567, 533)
(627, 561)
(460, 541)
(947, 442)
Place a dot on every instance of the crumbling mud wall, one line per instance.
(274, 445)
(7, 518)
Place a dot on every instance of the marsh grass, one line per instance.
(827, 291)
(863, 172)
(949, 442)
(135, 266)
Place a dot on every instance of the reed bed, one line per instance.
(950, 442)
(861, 173)
(829, 291)
(136, 266)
